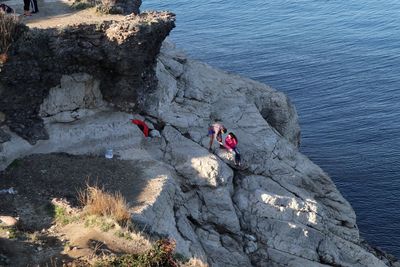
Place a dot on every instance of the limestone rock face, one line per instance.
(214, 94)
(76, 92)
(277, 209)
(290, 212)
(194, 162)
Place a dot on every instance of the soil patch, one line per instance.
(55, 13)
(40, 178)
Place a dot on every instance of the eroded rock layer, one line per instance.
(121, 55)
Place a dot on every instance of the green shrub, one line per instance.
(62, 217)
(161, 254)
(14, 233)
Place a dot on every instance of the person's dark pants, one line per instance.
(26, 5)
(237, 156)
(34, 6)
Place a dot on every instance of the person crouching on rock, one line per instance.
(231, 144)
(215, 131)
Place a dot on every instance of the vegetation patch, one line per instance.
(105, 224)
(123, 234)
(82, 4)
(11, 233)
(161, 254)
(96, 201)
(8, 26)
(61, 216)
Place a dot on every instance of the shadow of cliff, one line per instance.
(21, 252)
(40, 178)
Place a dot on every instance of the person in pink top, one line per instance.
(231, 144)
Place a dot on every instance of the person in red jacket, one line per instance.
(142, 125)
(231, 144)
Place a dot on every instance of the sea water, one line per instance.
(339, 62)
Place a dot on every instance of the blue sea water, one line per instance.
(339, 62)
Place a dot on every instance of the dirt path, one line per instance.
(56, 13)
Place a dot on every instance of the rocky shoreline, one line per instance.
(75, 90)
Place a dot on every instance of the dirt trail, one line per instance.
(56, 13)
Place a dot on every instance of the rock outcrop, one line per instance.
(120, 55)
(281, 209)
(119, 6)
(277, 209)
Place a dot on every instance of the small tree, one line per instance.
(8, 26)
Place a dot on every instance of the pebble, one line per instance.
(8, 220)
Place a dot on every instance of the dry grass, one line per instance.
(8, 25)
(98, 202)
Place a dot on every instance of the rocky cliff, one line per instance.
(75, 90)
